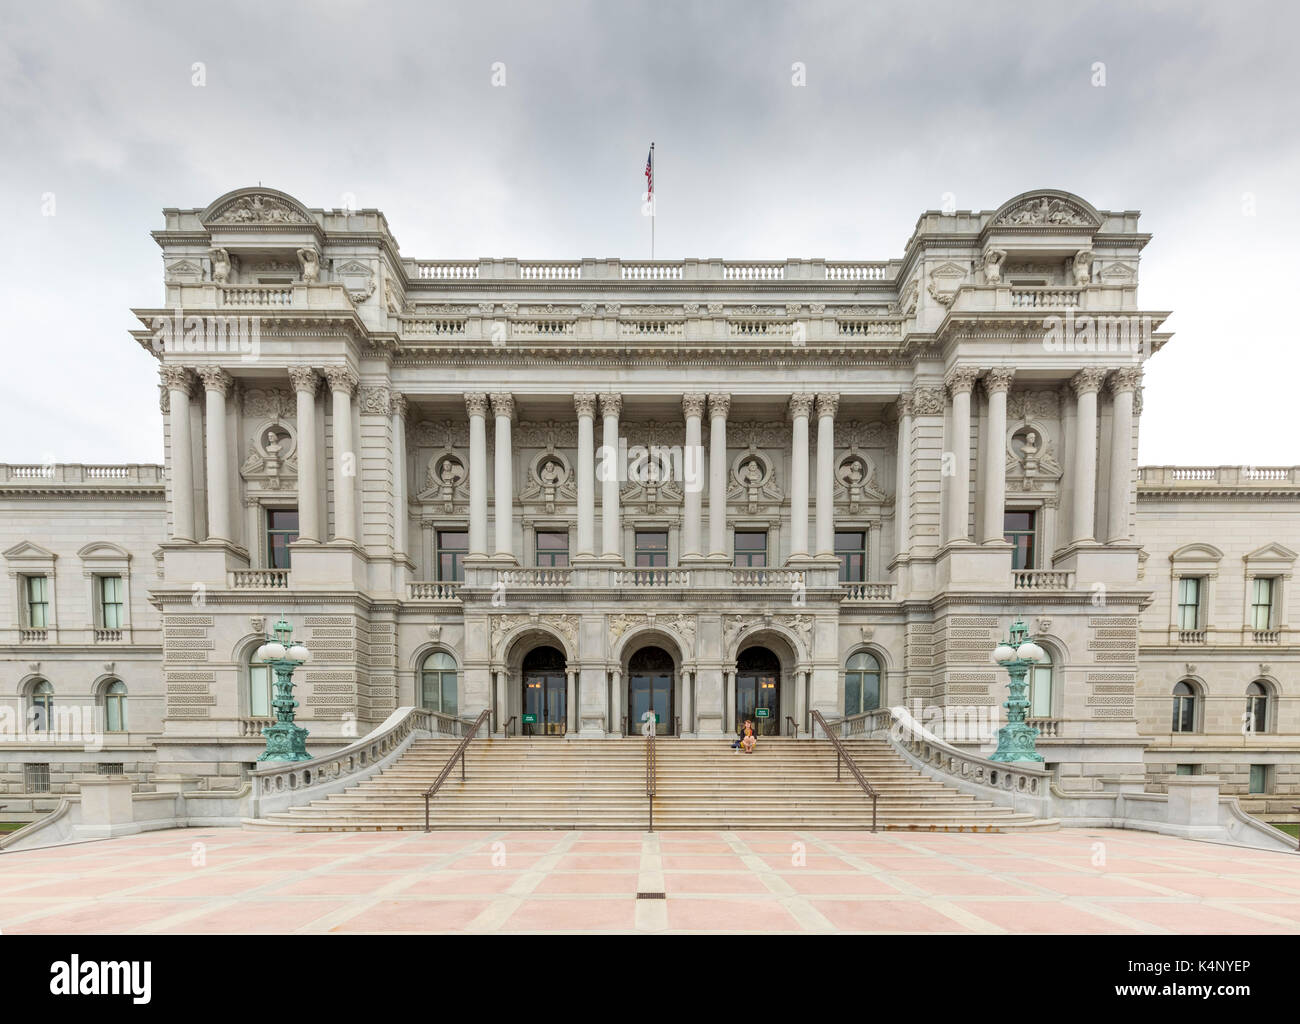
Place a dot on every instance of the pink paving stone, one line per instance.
(1201, 918)
(1218, 887)
(667, 845)
(702, 862)
(810, 860)
(1053, 918)
(598, 862)
(715, 882)
(573, 915)
(605, 847)
(588, 883)
(962, 885)
(277, 917)
(340, 884)
(79, 888)
(100, 917)
(415, 916)
(733, 915)
(839, 884)
(885, 916)
(453, 883)
(261, 864)
(1078, 884)
(482, 860)
(212, 883)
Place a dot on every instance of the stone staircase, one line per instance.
(600, 784)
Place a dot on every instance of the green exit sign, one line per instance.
(762, 713)
(530, 719)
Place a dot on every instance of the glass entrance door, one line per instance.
(650, 688)
(758, 691)
(545, 697)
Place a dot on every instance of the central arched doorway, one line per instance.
(650, 688)
(758, 691)
(545, 696)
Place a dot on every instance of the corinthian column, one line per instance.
(1086, 384)
(476, 404)
(305, 382)
(960, 382)
(180, 383)
(585, 404)
(1123, 383)
(800, 406)
(997, 382)
(216, 386)
(719, 406)
(401, 514)
(692, 470)
(610, 407)
(342, 382)
(903, 477)
(503, 408)
(827, 405)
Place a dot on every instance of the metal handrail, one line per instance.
(842, 753)
(677, 725)
(793, 725)
(484, 716)
(509, 722)
(651, 773)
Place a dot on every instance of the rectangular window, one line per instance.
(1189, 602)
(751, 549)
(1187, 769)
(453, 546)
(36, 778)
(259, 691)
(1261, 603)
(651, 549)
(851, 549)
(281, 531)
(110, 602)
(110, 768)
(1259, 778)
(1018, 529)
(552, 549)
(38, 602)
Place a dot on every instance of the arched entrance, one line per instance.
(545, 693)
(650, 688)
(758, 691)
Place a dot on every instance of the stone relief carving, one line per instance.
(1082, 268)
(445, 480)
(357, 278)
(310, 260)
(220, 266)
(259, 209)
(944, 282)
(1023, 404)
(683, 626)
(373, 400)
(549, 478)
(269, 456)
(269, 403)
(1031, 459)
(1042, 210)
(753, 480)
(993, 259)
(856, 481)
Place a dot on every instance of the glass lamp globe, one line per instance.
(1003, 652)
(1030, 651)
(272, 651)
(298, 653)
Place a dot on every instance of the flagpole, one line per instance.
(652, 202)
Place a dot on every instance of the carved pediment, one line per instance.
(357, 278)
(1046, 209)
(263, 207)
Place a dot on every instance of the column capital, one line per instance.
(304, 378)
(1088, 380)
(503, 404)
(927, 400)
(905, 405)
(397, 404)
(961, 380)
(998, 380)
(719, 404)
(800, 405)
(611, 404)
(215, 379)
(693, 404)
(584, 402)
(341, 378)
(476, 403)
(1126, 378)
(176, 378)
(828, 403)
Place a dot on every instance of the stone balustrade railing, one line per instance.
(33, 636)
(757, 271)
(1194, 478)
(1042, 579)
(129, 475)
(1094, 298)
(258, 579)
(1266, 636)
(281, 785)
(1192, 636)
(1048, 728)
(299, 295)
(545, 578)
(862, 592)
(767, 577)
(433, 590)
(652, 577)
(108, 636)
(252, 727)
(447, 270)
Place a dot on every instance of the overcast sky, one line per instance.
(394, 103)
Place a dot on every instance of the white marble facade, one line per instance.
(395, 403)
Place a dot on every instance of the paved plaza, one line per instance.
(221, 880)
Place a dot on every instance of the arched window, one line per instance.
(438, 683)
(42, 705)
(1040, 688)
(1184, 707)
(861, 684)
(1257, 707)
(115, 706)
(259, 688)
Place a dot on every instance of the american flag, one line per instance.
(650, 171)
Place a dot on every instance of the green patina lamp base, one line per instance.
(1016, 743)
(285, 742)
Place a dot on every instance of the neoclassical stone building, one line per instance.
(571, 492)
